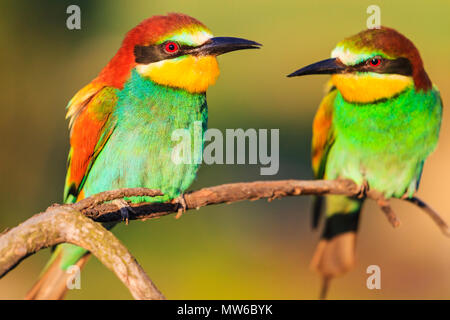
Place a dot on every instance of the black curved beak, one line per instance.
(328, 66)
(220, 45)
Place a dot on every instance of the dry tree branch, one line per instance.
(433, 214)
(64, 223)
(234, 192)
(384, 205)
(226, 193)
(60, 224)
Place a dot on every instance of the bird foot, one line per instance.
(363, 188)
(124, 209)
(182, 206)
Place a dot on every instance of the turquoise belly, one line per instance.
(139, 151)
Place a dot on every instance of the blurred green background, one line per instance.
(250, 250)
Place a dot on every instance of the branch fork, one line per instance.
(76, 223)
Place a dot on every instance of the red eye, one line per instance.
(171, 47)
(375, 62)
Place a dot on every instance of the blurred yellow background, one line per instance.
(250, 250)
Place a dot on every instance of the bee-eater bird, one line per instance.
(121, 123)
(377, 124)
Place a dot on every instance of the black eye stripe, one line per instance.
(147, 54)
(155, 53)
(400, 66)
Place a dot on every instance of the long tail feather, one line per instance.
(317, 211)
(335, 253)
(52, 284)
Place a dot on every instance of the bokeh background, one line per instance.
(249, 250)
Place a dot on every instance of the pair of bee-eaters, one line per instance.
(376, 125)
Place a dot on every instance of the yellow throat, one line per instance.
(365, 88)
(192, 73)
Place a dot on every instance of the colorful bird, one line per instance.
(377, 124)
(121, 123)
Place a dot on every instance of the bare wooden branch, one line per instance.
(433, 214)
(387, 209)
(64, 224)
(234, 192)
(113, 195)
(226, 193)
